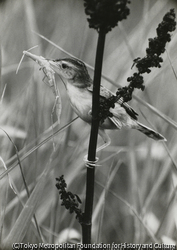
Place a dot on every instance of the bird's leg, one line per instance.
(106, 140)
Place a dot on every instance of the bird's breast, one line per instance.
(81, 101)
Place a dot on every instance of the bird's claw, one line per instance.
(91, 164)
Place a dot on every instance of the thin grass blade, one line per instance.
(30, 151)
(22, 223)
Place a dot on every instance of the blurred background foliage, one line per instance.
(134, 168)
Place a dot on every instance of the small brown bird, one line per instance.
(79, 87)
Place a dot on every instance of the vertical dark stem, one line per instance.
(96, 94)
(87, 224)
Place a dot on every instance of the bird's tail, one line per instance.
(150, 132)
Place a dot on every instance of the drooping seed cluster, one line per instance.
(153, 56)
(69, 200)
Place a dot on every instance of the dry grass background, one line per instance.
(135, 192)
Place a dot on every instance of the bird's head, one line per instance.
(73, 70)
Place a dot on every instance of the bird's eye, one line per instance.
(63, 65)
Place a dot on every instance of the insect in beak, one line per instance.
(49, 79)
(38, 59)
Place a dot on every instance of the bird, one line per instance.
(79, 87)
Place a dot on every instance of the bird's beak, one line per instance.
(54, 65)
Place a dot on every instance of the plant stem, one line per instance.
(87, 223)
(96, 95)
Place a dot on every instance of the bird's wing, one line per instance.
(104, 92)
(116, 122)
